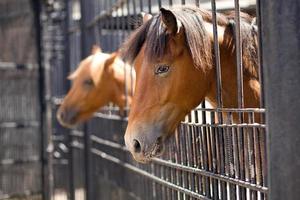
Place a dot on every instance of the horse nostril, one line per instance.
(61, 115)
(136, 146)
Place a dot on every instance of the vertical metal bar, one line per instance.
(220, 131)
(159, 3)
(141, 5)
(48, 118)
(36, 7)
(110, 28)
(238, 50)
(71, 168)
(87, 160)
(66, 82)
(252, 155)
(87, 142)
(235, 155)
(217, 56)
(240, 92)
(149, 6)
(212, 137)
(205, 149)
(260, 61)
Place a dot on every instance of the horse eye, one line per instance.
(162, 69)
(89, 82)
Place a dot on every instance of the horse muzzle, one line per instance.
(67, 117)
(145, 145)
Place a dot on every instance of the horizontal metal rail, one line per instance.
(111, 117)
(60, 161)
(148, 175)
(77, 133)
(109, 12)
(10, 65)
(21, 195)
(19, 124)
(20, 161)
(186, 168)
(77, 145)
(211, 175)
(216, 125)
(256, 110)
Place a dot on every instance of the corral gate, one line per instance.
(206, 159)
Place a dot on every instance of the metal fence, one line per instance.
(21, 135)
(20, 138)
(209, 157)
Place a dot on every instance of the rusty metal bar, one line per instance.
(238, 49)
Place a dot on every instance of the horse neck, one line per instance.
(229, 77)
(123, 83)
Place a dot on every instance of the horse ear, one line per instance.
(146, 17)
(96, 49)
(110, 60)
(170, 21)
(72, 76)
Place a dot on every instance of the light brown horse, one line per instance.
(173, 57)
(99, 79)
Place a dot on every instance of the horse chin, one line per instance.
(71, 125)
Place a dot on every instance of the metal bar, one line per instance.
(280, 38)
(71, 192)
(217, 56)
(48, 55)
(11, 65)
(260, 57)
(258, 110)
(20, 161)
(241, 125)
(36, 7)
(14, 196)
(119, 4)
(238, 49)
(187, 168)
(148, 175)
(149, 6)
(21, 124)
(84, 5)
(71, 168)
(159, 3)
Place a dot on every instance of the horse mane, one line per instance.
(155, 37)
(249, 41)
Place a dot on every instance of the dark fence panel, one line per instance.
(20, 133)
(281, 60)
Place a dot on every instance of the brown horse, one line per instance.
(99, 79)
(173, 57)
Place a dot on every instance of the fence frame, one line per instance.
(281, 61)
